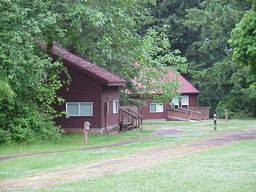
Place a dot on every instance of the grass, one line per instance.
(27, 166)
(73, 141)
(228, 168)
(231, 125)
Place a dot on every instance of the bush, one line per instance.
(23, 123)
(238, 107)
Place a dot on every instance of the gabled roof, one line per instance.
(186, 87)
(87, 68)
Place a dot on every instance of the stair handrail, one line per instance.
(136, 117)
(126, 111)
(133, 111)
(186, 110)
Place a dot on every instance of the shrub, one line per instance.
(25, 123)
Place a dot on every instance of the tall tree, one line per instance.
(219, 80)
(167, 16)
(156, 55)
(28, 76)
(243, 42)
(243, 39)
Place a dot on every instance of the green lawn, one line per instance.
(228, 168)
(73, 141)
(27, 166)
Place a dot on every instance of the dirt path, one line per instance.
(117, 165)
(160, 133)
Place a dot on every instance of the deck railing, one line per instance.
(203, 110)
(183, 114)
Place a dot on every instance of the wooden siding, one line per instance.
(192, 100)
(145, 111)
(109, 94)
(85, 89)
(81, 89)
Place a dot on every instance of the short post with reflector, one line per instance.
(86, 129)
(215, 121)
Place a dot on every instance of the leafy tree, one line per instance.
(243, 42)
(156, 55)
(243, 39)
(171, 14)
(29, 78)
(210, 58)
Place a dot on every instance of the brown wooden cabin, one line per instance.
(92, 95)
(183, 108)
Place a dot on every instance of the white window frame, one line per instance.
(79, 103)
(115, 106)
(176, 102)
(157, 111)
(182, 101)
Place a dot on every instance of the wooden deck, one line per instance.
(186, 114)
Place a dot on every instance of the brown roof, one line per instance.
(87, 68)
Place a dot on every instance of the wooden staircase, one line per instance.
(129, 119)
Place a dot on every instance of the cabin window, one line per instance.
(156, 107)
(175, 101)
(185, 101)
(79, 108)
(115, 106)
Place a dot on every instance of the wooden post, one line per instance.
(85, 136)
(226, 115)
(215, 121)
(86, 129)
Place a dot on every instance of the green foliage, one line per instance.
(155, 56)
(220, 81)
(170, 14)
(201, 30)
(27, 125)
(29, 78)
(235, 103)
(5, 90)
(243, 40)
(217, 19)
(104, 32)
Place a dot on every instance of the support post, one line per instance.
(86, 129)
(215, 121)
(226, 115)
